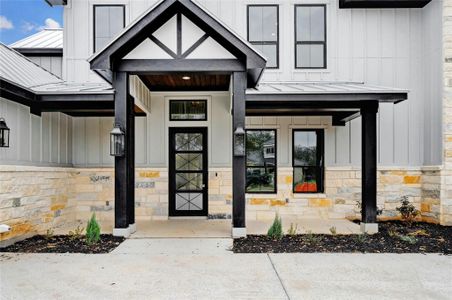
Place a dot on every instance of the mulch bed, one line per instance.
(64, 244)
(393, 237)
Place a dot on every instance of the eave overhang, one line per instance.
(383, 3)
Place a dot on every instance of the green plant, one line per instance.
(92, 230)
(392, 232)
(407, 210)
(293, 229)
(359, 206)
(409, 239)
(49, 233)
(333, 230)
(312, 238)
(77, 233)
(275, 231)
(361, 238)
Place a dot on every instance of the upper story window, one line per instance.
(310, 36)
(108, 21)
(263, 31)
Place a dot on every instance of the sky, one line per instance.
(22, 18)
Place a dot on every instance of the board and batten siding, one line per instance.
(398, 48)
(91, 134)
(34, 140)
(53, 64)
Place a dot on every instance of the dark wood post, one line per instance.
(131, 164)
(238, 162)
(369, 162)
(121, 86)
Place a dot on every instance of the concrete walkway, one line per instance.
(206, 269)
(192, 228)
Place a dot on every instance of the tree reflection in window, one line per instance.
(307, 161)
(261, 161)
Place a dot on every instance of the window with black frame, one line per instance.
(188, 110)
(109, 20)
(263, 31)
(307, 160)
(261, 161)
(310, 36)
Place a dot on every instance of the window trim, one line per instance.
(320, 157)
(264, 42)
(94, 19)
(275, 190)
(188, 120)
(324, 43)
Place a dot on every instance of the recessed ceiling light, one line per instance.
(186, 77)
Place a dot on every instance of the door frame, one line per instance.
(172, 212)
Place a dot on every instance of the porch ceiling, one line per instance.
(192, 82)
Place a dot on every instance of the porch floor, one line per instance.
(187, 228)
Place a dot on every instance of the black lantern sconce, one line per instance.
(239, 141)
(4, 134)
(117, 141)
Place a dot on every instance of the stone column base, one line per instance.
(124, 232)
(133, 228)
(369, 228)
(238, 232)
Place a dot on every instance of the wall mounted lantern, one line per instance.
(239, 141)
(4, 134)
(117, 141)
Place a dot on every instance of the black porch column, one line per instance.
(122, 114)
(238, 162)
(369, 166)
(131, 164)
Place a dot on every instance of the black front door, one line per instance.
(188, 171)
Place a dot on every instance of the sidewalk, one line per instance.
(206, 269)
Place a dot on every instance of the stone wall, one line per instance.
(446, 191)
(343, 195)
(34, 200)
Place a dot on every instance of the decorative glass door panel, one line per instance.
(188, 171)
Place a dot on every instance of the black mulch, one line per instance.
(64, 244)
(393, 237)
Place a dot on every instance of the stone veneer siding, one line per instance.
(446, 190)
(35, 199)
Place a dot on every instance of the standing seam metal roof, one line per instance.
(49, 38)
(19, 70)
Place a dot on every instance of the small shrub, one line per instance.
(407, 210)
(409, 239)
(92, 231)
(312, 238)
(49, 233)
(359, 206)
(419, 232)
(275, 231)
(293, 229)
(77, 233)
(392, 232)
(361, 238)
(333, 230)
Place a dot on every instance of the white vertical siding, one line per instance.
(391, 47)
(44, 140)
(53, 64)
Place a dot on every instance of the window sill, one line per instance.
(309, 195)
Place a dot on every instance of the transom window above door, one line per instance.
(310, 36)
(109, 20)
(263, 31)
(188, 110)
